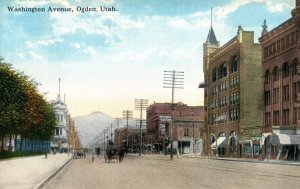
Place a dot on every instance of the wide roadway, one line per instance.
(156, 171)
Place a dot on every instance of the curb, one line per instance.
(239, 160)
(43, 184)
(251, 161)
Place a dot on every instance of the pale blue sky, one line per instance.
(106, 60)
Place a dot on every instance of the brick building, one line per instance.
(188, 122)
(120, 138)
(282, 88)
(233, 94)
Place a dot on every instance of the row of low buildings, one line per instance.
(252, 96)
(158, 132)
(252, 99)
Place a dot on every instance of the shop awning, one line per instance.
(283, 139)
(220, 142)
(263, 137)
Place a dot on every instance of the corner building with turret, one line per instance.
(233, 95)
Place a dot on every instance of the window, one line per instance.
(275, 96)
(223, 70)
(285, 70)
(278, 46)
(275, 74)
(267, 119)
(292, 39)
(186, 132)
(58, 131)
(234, 64)
(296, 66)
(285, 116)
(266, 52)
(234, 82)
(285, 93)
(214, 75)
(234, 114)
(267, 98)
(282, 44)
(276, 118)
(287, 41)
(267, 77)
(294, 115)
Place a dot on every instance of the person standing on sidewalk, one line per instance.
(46, 153)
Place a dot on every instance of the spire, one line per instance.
(211, 17)
(264, 26)
(58, 95)
(211, 37)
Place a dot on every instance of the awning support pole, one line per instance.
(295, 153)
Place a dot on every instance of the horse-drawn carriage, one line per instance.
(113, 153)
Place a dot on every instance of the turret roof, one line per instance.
(211, 37)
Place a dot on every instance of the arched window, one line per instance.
(223, 70)
(296, 66)
(214, 75)
(285, 70)
(267, 77)
(234, 64)
(275, 74)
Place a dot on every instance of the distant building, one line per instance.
(60, 139)
(120, 138)
(233, 95)
(188, 122)
(281, 130)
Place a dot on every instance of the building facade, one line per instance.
(61, 136)
(281, 67)
(188, 121)
(233, 95)
(133, 133)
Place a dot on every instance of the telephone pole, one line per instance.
(127, 114)
(141, 104)
(174, 80)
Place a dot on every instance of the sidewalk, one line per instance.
(250, 160)
(29, 172)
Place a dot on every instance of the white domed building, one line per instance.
(59, 141)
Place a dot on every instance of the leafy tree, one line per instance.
(13, 99)
(23, 111)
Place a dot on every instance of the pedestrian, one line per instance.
(46, 153)
(93, 157)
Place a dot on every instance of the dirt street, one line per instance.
(183, 173)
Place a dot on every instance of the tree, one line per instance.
(23, 111)
(13, 99)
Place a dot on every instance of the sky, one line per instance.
(106, 60)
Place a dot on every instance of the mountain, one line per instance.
(89, 126)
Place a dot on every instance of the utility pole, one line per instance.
(117, 137)
(141, 104)
(104, 139)
(174, 80)
(111, 133)
(127, 114)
